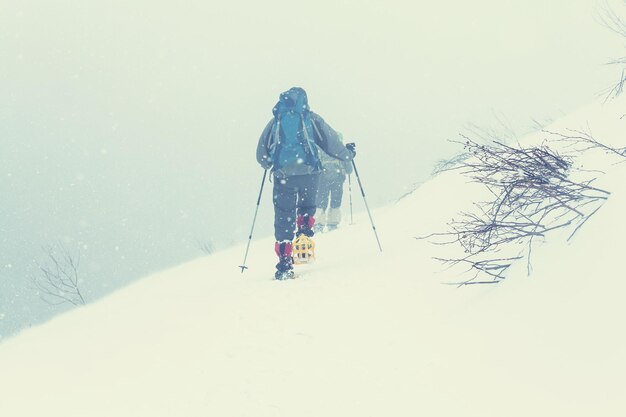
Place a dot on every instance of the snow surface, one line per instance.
(359, 333)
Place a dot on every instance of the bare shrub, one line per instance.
(532, 195)
(450, 163)
(205, 246)
(611, 19)
(58, 281)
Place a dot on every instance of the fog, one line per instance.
(128, 129)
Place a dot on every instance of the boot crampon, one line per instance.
(303, 250)
(303, 246)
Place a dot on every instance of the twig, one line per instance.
(532, 195)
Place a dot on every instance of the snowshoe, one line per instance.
(303, 250)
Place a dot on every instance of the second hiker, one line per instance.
(330, 191)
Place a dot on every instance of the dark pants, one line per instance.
(330, 188)
(293, 196)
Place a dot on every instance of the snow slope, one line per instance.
(359, 333)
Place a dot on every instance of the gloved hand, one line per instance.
(266, 163)
(351, 147)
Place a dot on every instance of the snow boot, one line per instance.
(284, 267)
(333, 219)
(304, 224)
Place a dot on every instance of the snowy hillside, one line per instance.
(359, 333)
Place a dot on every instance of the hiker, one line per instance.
(289, 147)
(330, 190)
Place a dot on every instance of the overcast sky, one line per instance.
(128, 128)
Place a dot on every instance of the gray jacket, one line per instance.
(325, 138)
(334, 165)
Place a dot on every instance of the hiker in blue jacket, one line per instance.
(289, 147)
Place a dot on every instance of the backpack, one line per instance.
(292, 148)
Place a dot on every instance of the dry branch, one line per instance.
(205, 246)
(532, 195)
(608, 17)
(582, 141)
(58, 280)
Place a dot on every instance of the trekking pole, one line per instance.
(258, 202)
(350, 192)
(358, 178)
